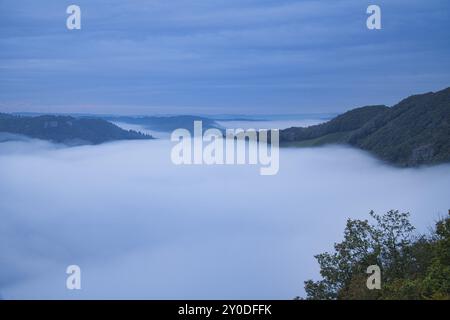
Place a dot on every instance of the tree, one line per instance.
(411, 267)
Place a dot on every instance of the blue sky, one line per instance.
(219, 56)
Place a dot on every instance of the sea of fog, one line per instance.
(140, 227)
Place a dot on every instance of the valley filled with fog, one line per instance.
(141, 227)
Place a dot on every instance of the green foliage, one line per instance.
(167, 123)
(414, 132)
(337, 128)
(411, 267)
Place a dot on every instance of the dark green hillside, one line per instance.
(416, 131)
(66, 129)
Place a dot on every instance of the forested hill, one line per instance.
(166, 123)
(415, 131)
(66, 129)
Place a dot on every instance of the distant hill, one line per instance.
(66, 129)
(415, 131)
(166, 123)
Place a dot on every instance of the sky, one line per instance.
(219, 56)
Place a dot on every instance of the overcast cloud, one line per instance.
(219, 56)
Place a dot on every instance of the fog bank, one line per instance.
(141, 227)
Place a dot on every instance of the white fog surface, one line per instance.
(140, 227)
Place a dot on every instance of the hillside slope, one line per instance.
(415, 131)
(66, 129)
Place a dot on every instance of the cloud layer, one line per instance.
(140, 227)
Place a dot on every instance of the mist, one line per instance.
(272, 124)
(142, 228)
